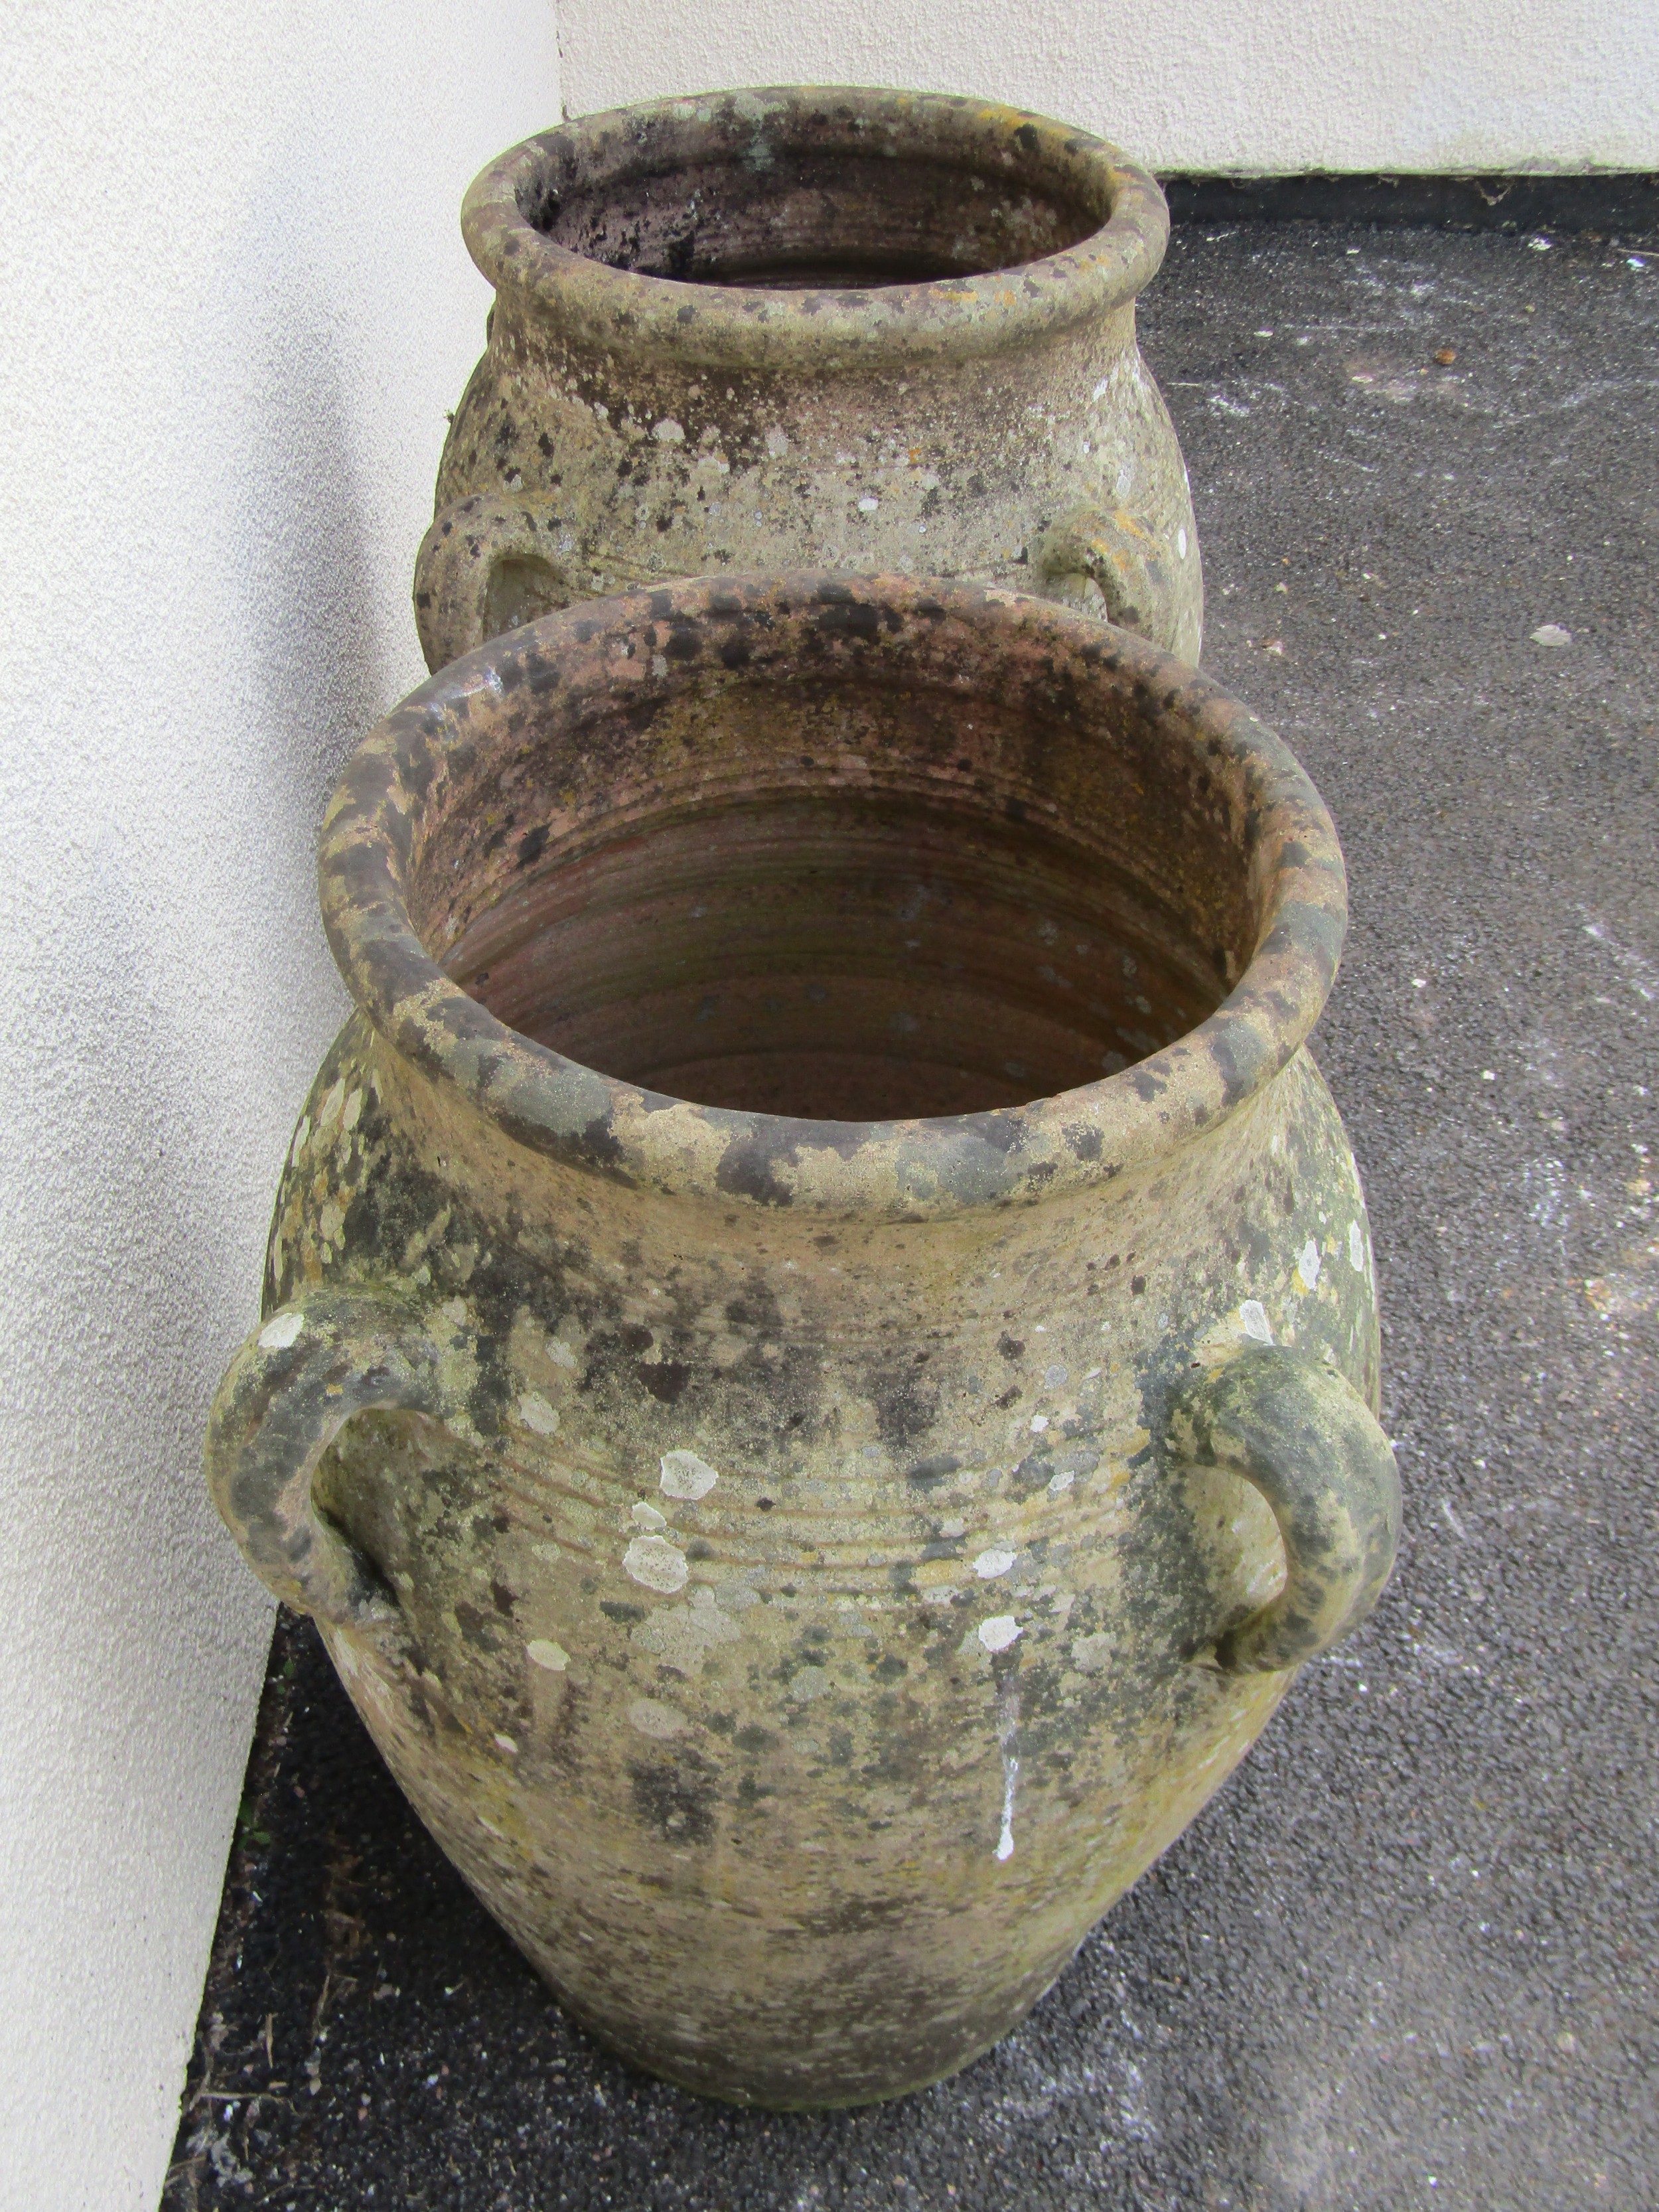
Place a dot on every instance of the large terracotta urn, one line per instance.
(856, 329)
(819, 1354)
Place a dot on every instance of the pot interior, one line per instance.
(845, 902)
(811, 214)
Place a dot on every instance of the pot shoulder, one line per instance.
(1062, 476)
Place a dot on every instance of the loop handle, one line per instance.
(1115, 564)
(285, 1397)
(1303, 1436)
(486, 565)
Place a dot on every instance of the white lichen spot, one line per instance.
(651, 1717)
(1181, 542)
(777, 443)
(536, 1413)
(506, 1744)
(1090, 1653)
(1356, 1248)
(997, 1633)
(279, 1333)
(1053, 1378)
(1253, 1318)
(685, 1475)
(655, 1562)
(868, 504)
(1308, 1265)
(646, 1517)
(989, 1565)
(560, 1353)
(683, 1635)
(545, 1653)
(659, 664)
(668, 432)
(328, 1112)
(1060, 1483)
(354, 1107)
(1039, 1422)
(809, 1682)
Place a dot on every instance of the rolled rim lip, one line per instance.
(737, 325)
(903, 1169)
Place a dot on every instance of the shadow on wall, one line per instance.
(215, 989)
(193, 996)
(316, 627)
(181, 995)
(303, 587)
(292, 666)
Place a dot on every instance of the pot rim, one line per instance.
(746, 327)
(599, 656)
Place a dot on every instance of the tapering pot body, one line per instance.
(804, 1552)
(812, 326)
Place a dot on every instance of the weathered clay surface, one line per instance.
(802, 1569)
(812, 326)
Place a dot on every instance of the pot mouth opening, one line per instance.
(820, 952)
(808, 207)
(843, 893)
(817, 217)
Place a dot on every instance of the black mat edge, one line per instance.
(1625, 202)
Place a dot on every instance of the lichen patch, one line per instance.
(686, 1476)
(656, 1563)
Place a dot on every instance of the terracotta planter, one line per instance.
(805, 1552)
(849, 329)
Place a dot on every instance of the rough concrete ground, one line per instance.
(1407, 1958)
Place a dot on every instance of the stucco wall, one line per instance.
(237, 307)
(1261, 85)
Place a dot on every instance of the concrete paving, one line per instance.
(1407, 1958)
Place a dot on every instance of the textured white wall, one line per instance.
(237, 307)
(1252, 85)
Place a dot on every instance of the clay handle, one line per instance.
(1305, 1437)
(1125, 562)
(486, 565)
(285, 1396)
